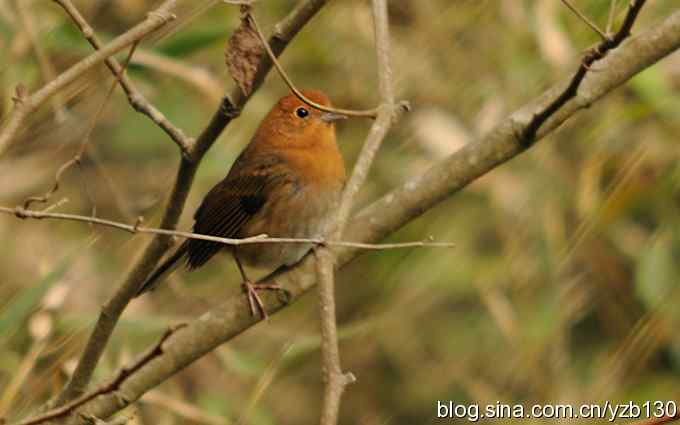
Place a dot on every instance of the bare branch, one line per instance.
(594, 55)
(135, 97)
(77, 158)
(55, 187)
(24, 213)
(24, 105)
(335, 380)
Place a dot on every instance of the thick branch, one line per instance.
(231, 105)
(225, 321)
(25, 105)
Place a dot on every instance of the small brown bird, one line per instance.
(284, 184)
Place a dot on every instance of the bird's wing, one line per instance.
(232, 202)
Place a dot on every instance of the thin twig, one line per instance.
(585, 19)
(78, 157)
(56, 205)
(57, 182)
(594, 55)
(25, 105)
(369, 113)
(136, 99)
(24, 213)
(335, 379)
(109, 387)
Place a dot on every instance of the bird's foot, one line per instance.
(254, 301)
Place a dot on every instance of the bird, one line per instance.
(285, 183)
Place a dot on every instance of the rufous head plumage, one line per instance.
(291, 123)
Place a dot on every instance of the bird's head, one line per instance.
(293, 124)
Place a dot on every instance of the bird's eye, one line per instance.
(301, 112)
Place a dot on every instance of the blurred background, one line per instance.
(562, 287)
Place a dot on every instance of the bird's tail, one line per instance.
(167, 267)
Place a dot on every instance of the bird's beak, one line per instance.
(332, 116)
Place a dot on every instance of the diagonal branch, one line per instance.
(25, 105)
(135, 97)
(594, 55)
(414, 197)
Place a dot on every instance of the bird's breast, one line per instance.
(297, 210)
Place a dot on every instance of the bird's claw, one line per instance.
(255, 302)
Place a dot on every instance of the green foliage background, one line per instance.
(562, 288)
